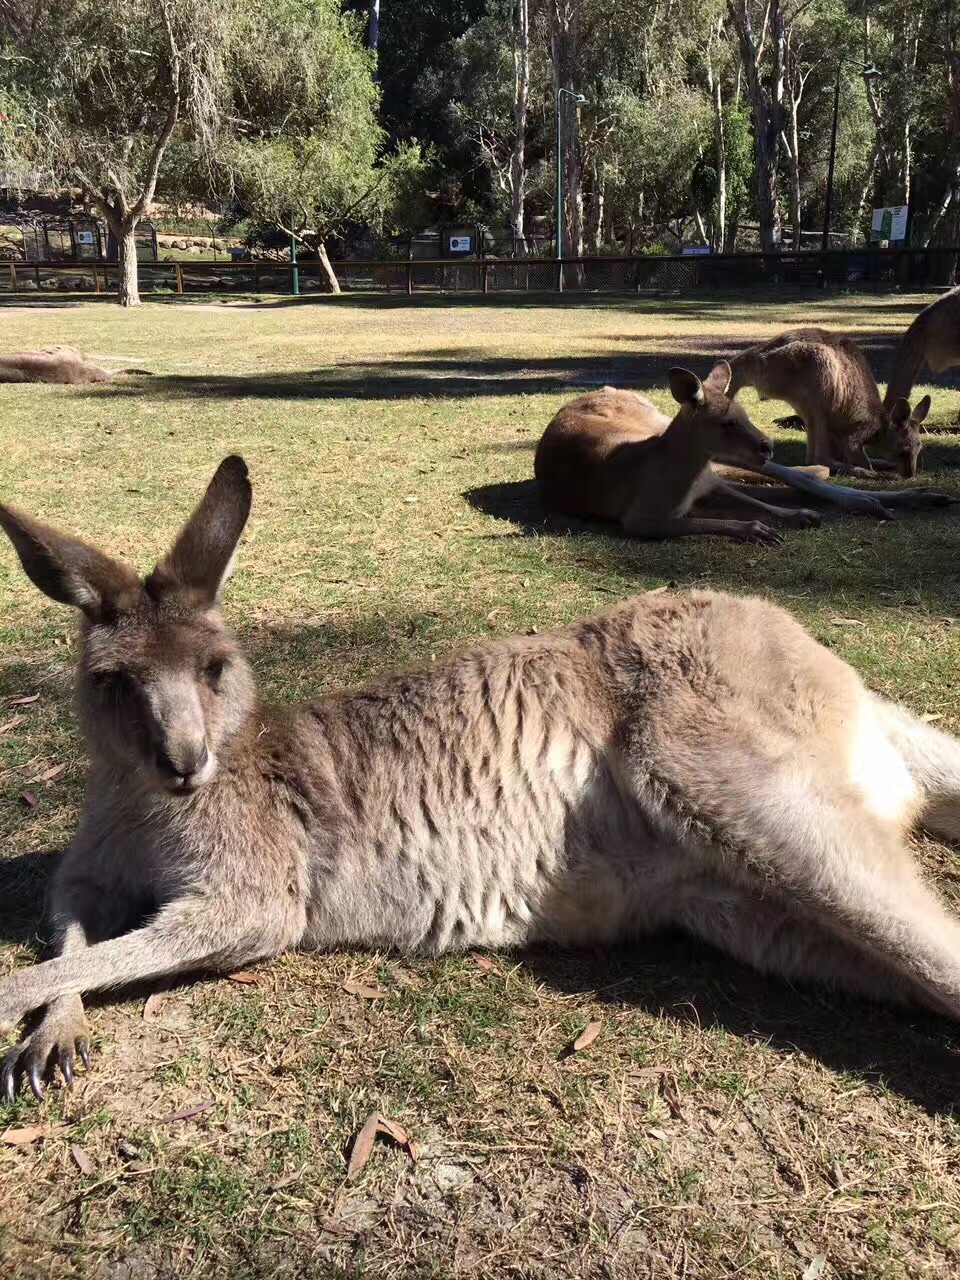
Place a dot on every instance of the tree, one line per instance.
(306, 153)
(105, 87)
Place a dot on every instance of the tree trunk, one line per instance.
(766, 102)
(518, 162)
(565, 56)
(595, 208)
(333, 284)
(719, 147)
(128, 294)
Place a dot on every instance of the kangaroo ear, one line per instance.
(200, 560)
(68, 570)
(719, 377)
(921, 410)
(900, 411)
(685, 387)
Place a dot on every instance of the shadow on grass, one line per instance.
(466, 373)
(674, 977)
(738, 303)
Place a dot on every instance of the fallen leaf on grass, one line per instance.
(12, 724)
(23, 1137)
(847, 622)
(246, 979)
(931, 716)
(816, 1268)
(154, 1006)
(363, 991)
(658, 1134)
(587, 1036)
(29, 799)
(82, 1160)
(399, 1135)
(23, 702)
(187, 1113)
(363, 1143)
(483, 962)
(48, 775)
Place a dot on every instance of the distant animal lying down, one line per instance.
(56, 364)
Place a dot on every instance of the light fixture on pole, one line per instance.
(578, 98)
(869, 73)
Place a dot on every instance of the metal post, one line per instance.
(296, 270)
(825, 242)
(559, 189)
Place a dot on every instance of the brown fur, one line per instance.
(689, 759)
(56, 364)
(827, 380)
(612, 455)
(933, 339)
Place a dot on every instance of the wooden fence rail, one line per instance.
(666, 273)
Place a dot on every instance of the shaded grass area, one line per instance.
(720, 1124)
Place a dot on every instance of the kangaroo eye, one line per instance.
(213, 672)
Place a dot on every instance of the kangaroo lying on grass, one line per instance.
(932, 340)
(826, 379)
(57, 364)
(689, 759)
(613, 455)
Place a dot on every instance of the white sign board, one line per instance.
(694, 250)
(85, 237)
(460, 244)
(889, 223)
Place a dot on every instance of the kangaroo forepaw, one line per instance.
(54, 1045)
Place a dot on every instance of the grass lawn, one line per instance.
(720, 1124)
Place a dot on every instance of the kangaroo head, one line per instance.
(903, 434)
(162, 685)
(724, 430)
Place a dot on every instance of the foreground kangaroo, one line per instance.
(932, 340)
(826, 379)
(688, 759)
(613, 455)
(56, 364)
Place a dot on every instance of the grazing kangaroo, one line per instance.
(56, 364)
(826, 379)
(932, 340)
(688, 759)
(613, 455)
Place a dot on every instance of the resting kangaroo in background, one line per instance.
(826, 379)
(932, 340)
(56, 364)
(613, 455)
(688, 759)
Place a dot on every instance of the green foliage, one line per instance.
(307, 151)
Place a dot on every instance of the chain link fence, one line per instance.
(880, 269)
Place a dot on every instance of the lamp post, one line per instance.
(869, 73)
(577, 97)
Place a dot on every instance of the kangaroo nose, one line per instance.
(183, 763)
